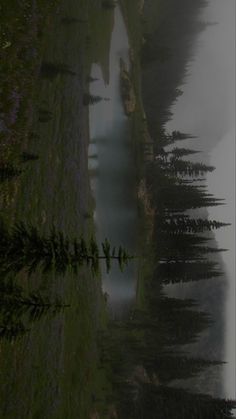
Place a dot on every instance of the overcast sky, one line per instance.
(207, 109)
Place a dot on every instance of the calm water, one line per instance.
(207, 109)
(112, 169)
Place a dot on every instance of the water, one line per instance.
(112, 168)
(113, 184)
(207, 109)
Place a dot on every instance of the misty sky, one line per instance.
(207, 109)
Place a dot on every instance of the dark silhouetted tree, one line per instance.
(25, 156)
(176, 272)
(174, 403)
(190, 225)
(25, 248)
(8, 172)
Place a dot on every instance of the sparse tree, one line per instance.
(91, 99)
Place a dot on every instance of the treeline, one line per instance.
(166, 51)
(183, 253)
(180, 240)
(146, 354)
(168, 403)
(148, 351)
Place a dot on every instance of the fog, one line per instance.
(207, 109)
(114, 189)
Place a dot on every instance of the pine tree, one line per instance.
(170, 138)
(25, 248)
(108, 4)
(51, 70)
(176, 403)
(170, 367)
(25, 157)
(187, 271)
(190, 225)
(7, 172)
(173, 197)
(180, 152)
(17, 308)
(188, 168)
(13, 331)
(34, 306)
(91, 99)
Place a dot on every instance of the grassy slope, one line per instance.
(54, 372)
(21, 42)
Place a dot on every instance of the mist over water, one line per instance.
(207, 109)
(113, 181)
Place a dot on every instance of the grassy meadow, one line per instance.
(54, 370)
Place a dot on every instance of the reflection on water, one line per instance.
(111, 164)
(112, 167)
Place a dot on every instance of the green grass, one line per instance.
(54, 371)
(55, 368)
(21, 42)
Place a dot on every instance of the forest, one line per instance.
(64, 350)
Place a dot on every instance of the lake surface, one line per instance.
(112, 169)
(205, 109)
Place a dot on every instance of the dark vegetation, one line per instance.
(155, 337)
(148, 352)
(45, 115)
(21, 41)
(70, 20)
(23, 247)
(167, 50)
(50, 70)
(18, 310)
(108, 4)
(26, 156)
(70, 339)
(7, 171)
(179, 404)
(89, 99)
